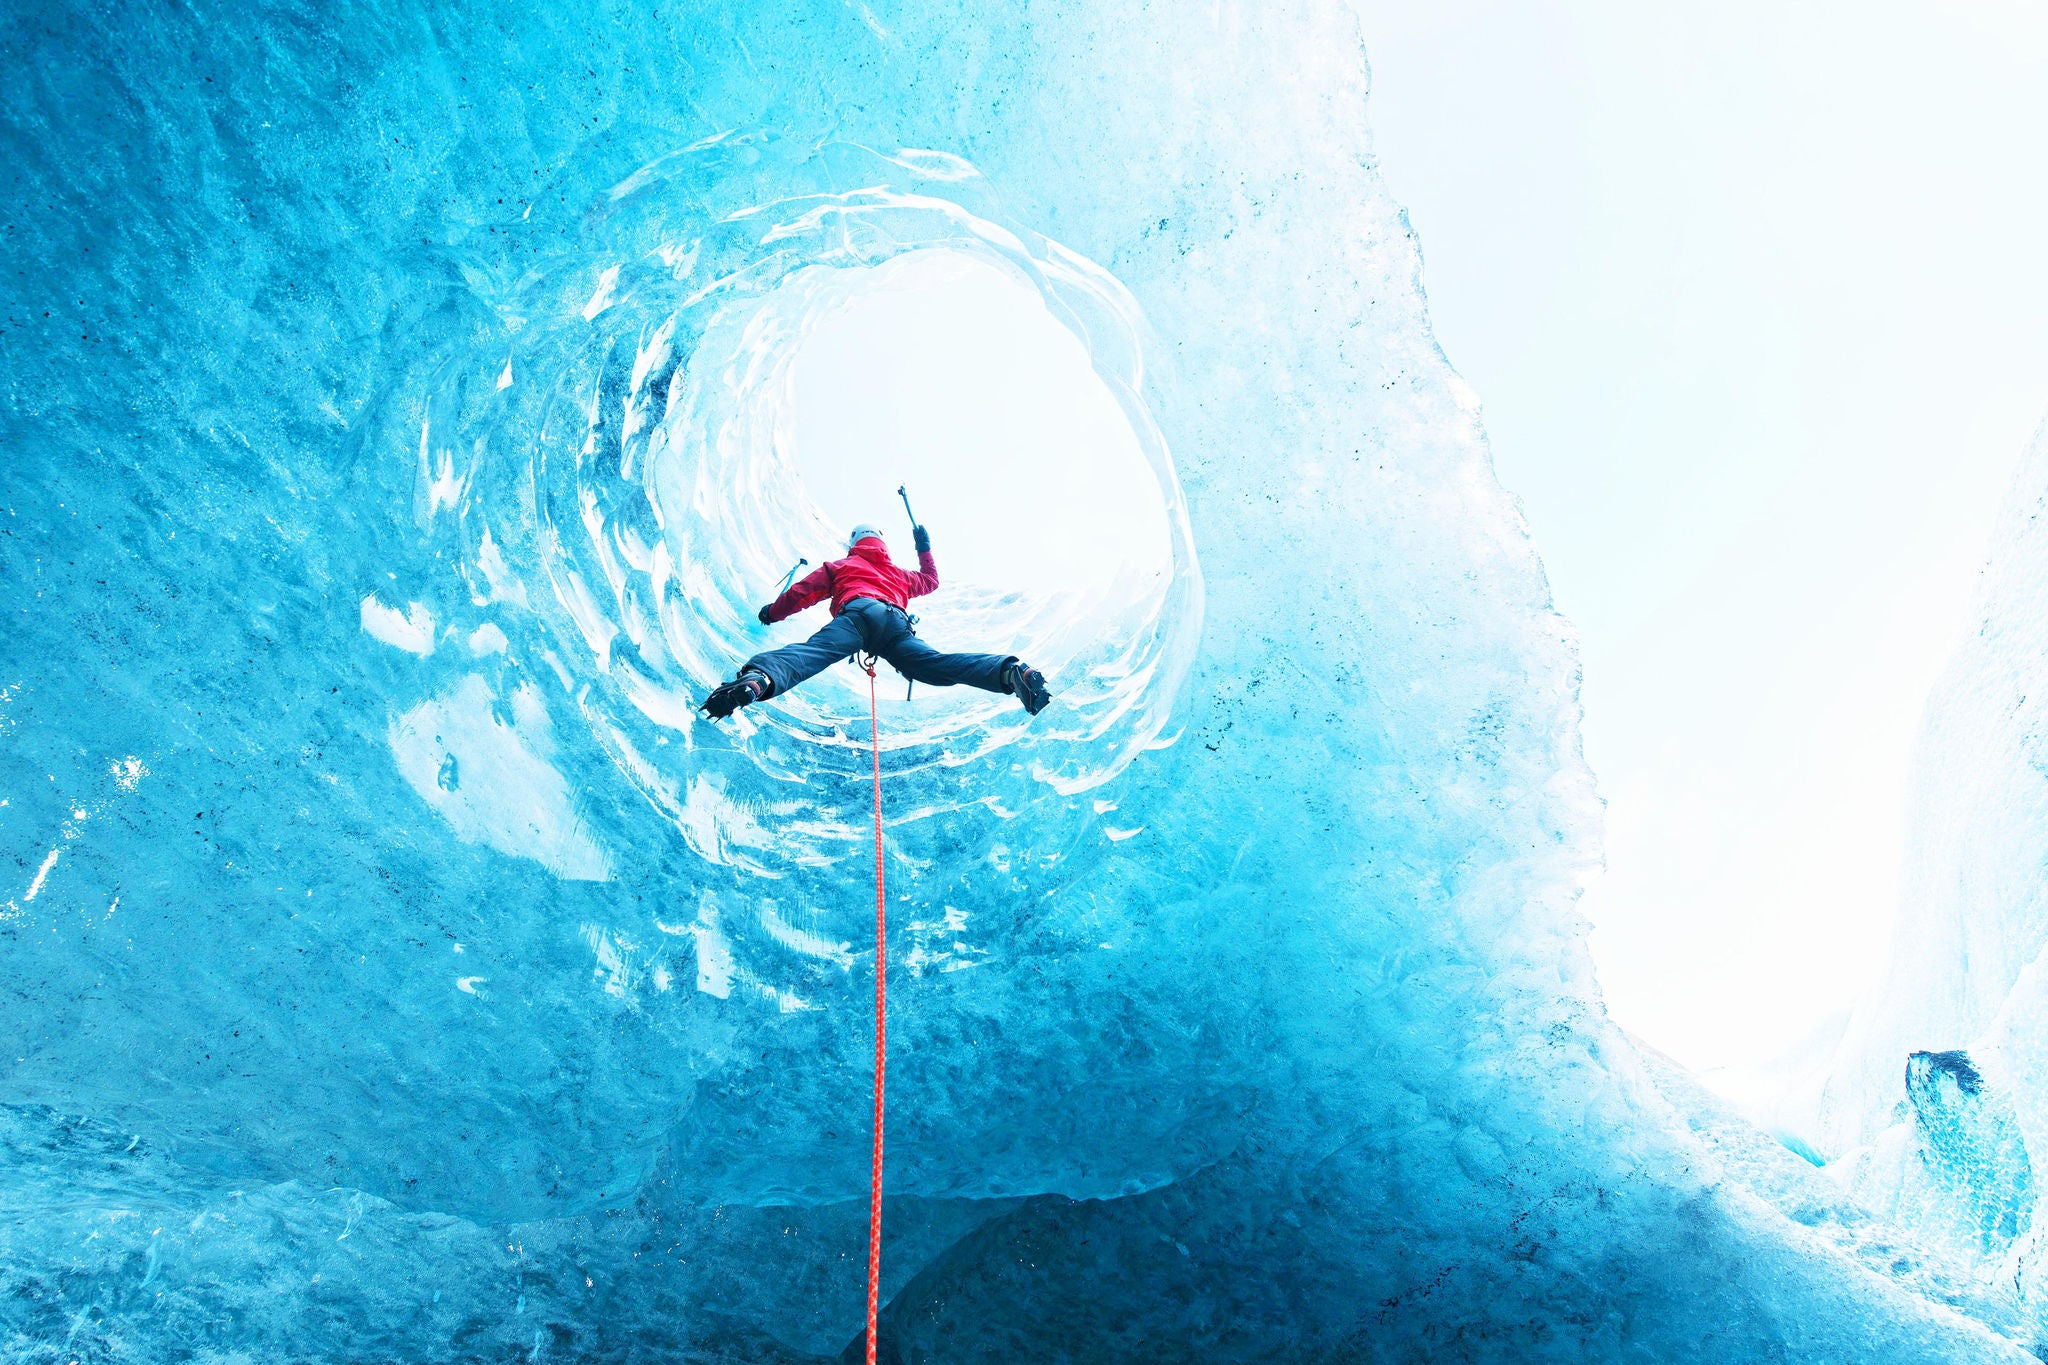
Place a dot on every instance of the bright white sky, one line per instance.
(945, 375)
(1756, 297)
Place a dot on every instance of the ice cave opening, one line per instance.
(944, 372)
(698, 401)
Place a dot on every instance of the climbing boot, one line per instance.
(751, 686)
(1027, 685)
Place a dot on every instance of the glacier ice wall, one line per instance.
(397, 972)
(1934, 1102)
(1973, 906)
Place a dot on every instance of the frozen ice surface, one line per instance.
(1973, 913)
(396, 971)
(1937, 1101)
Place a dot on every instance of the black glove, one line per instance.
(762, 617)
(923, 539)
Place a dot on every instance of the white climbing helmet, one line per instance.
(862, 532)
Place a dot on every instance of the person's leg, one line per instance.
(919, 662)
(1004, 673)
(792, 664)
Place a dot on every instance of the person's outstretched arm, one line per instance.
(926, 579)
(813, 588)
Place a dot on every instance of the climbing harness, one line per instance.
(881, 998)
(868, 661)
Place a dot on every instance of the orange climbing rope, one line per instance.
(881, 972)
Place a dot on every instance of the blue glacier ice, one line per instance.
(395, 970)
(1931, 1105)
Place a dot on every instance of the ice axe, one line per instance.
(908, 685)
(790, 577)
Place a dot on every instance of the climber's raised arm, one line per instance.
(926, 579)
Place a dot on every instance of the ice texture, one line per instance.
(397, 972)
(1938, 1095)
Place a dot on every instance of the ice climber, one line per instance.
(870, 600)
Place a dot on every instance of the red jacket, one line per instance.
(867, 572)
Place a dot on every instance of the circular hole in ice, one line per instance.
(1003, 394)
(675, 425)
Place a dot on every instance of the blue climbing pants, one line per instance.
(867, 626)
